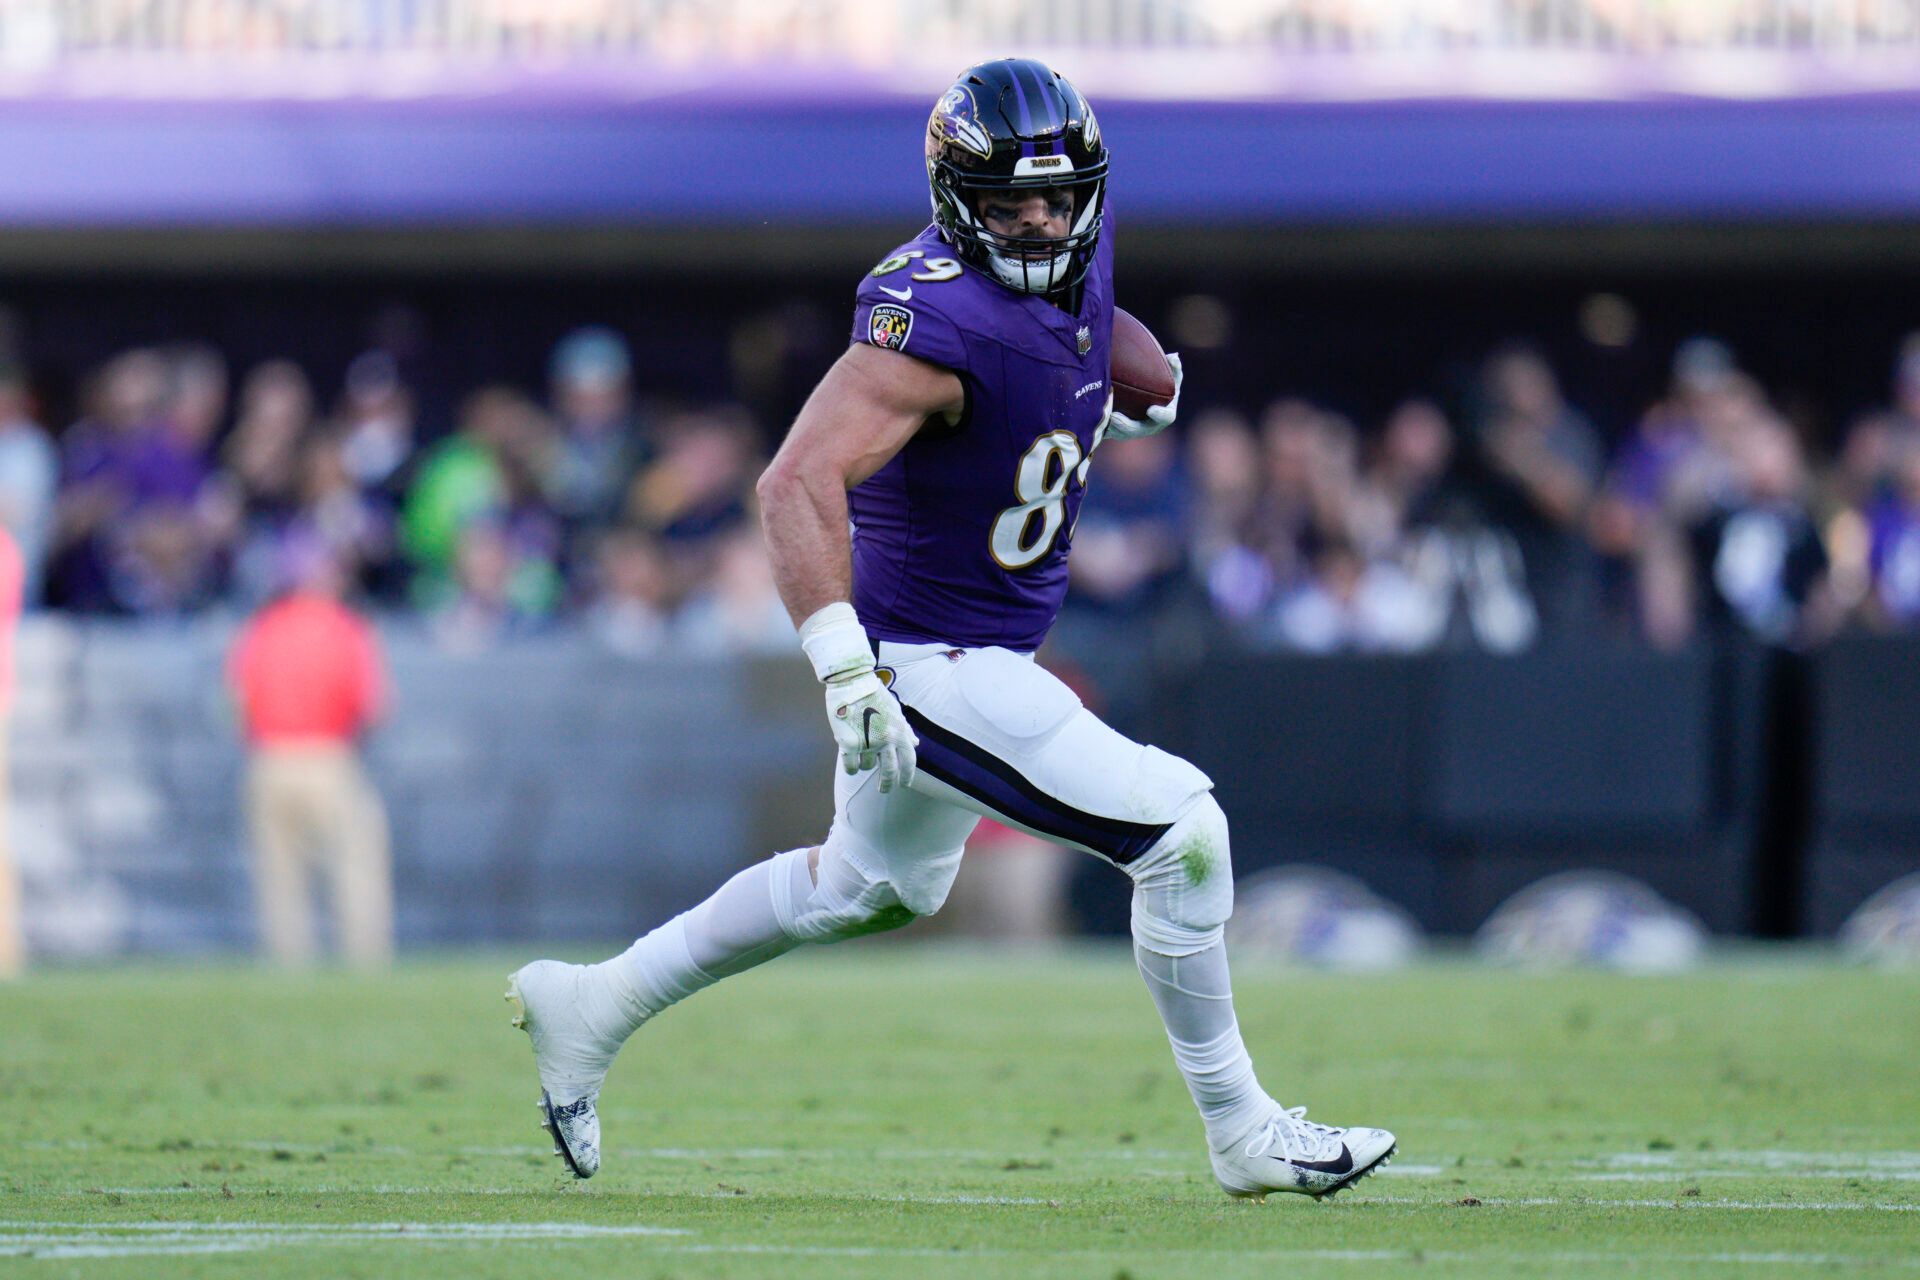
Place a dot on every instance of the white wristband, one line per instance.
(836, 643)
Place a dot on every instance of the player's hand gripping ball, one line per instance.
(1145, 380)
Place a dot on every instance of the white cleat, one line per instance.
(1291, 1153)
(571, 1058)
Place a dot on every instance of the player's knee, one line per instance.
(842, 901)
(834, 917)
(1183, 885)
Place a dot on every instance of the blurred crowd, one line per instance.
(1514, 522)
(178, 491)
(1499, 523)
(786, 28)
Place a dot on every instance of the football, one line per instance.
(1139, 371)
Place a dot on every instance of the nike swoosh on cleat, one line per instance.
(1348, 1181)
(904, 295)
(1343, 1165)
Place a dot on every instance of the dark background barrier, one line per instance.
(1865, 695)
(1449, 782)
(550, 791)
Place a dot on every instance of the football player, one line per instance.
(919, 516)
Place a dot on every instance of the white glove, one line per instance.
(868, 723)
(1159, 416)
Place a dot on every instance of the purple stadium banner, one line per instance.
(777, 153)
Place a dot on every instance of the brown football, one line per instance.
(1139, 372)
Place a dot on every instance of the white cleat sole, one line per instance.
(549, 1123)
(1327, 1193)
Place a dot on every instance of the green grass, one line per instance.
(890, 1110)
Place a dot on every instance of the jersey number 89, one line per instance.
(1025, 533)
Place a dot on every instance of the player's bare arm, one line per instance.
(863, 412)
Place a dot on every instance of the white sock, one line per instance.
(1195, 997)
(732, 931)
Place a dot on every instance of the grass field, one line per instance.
(890, 1110)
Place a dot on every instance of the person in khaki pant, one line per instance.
(308, 676)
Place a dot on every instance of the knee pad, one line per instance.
(844, 901)
(1183, 885)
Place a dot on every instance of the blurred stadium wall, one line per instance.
(1375, 191)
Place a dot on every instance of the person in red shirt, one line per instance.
(13, 580)
(308, 676)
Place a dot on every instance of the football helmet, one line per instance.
(1017, 125)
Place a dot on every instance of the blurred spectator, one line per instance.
(1463, 583)
(308, 678)
(498, 589)
(1678, 461)
(332, 516)
(738, 610)
(600, 446)
(632, 607)
(354, 523)
(261, 481)
(135, 527)
(1758, 551)
(458, 482)
(375, 419)
(1347, 603)
(197, 396)
(1406, 485)
(29, 478)
(488, 471)
(698, 490)
(262, 455)
(13, 947)
(1539, 464)
(1309, 462)
(1224, 467)
(1861, 502)
(1895, 547)
(1128, 542)
(124, 397)
(1302, 497)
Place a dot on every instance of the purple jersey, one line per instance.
(962, 537)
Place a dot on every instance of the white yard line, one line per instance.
(410, 1230)
(1784, 1161)
(1618, 1259)
(1683, 1202)
(1683, 1172)
(150, 1239)
(65, 1240)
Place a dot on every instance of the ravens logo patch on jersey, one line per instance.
(889, 326)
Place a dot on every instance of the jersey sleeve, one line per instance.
(920, 318)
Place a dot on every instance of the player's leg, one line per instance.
(580, 1015)
(1006, 737)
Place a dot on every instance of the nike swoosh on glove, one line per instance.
(871, 729)
(1159, 416)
